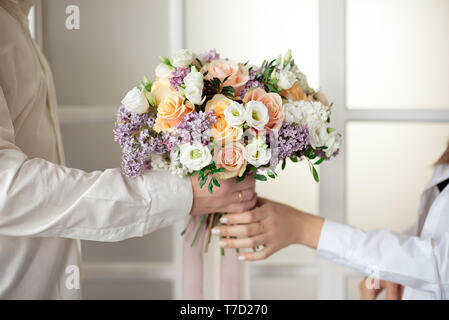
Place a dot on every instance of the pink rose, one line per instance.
(221, 69)
(273, 102)
(231, 158)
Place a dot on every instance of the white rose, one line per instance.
(333, 143)
(135, 101)
(194, 87)
(235, 114)
(183, 58)
(318, 134)
(256, 114)
(286, 79)
(194, 156)
(164, 71)
(257, 152)
(194, 79)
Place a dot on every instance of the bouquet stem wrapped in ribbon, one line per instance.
(219, 119)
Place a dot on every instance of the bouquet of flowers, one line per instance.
(219, 119)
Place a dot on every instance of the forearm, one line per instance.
(308, 228)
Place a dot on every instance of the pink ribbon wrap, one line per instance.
(193, 266)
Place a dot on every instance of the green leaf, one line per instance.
(240, 179)
(260, 177)
(320, 161)
(315, 174)
(283, 164)
(294, 159)
(271, 175)
(211, 187)
(215, 181)
(220, 170)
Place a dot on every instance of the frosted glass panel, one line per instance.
(388, 166)
(397, 53)
(256, 30)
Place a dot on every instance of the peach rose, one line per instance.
(318, 96)
(237, 75)
(295, 93)
(160, 89)
(170, 112)
(231, 158)
(221, 131)
(273, 102)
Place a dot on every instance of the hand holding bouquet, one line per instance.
(218, 119)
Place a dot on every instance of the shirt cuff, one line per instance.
(336, 241)
(171, 196)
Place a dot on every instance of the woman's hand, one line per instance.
(272, 225)
(394, 290)
(229, 197)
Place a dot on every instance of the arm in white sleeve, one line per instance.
(411, 261)
(42, 199)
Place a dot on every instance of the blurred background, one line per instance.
(382, 62)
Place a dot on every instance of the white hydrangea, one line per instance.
(158, 162)
(175, 165)
(305, 112)
(314, 115)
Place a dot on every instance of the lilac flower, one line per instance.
(210, 56)
(252, 83)
(132, 133)
(128, 123)
(194, 127)
(291, 139)
(178, 77)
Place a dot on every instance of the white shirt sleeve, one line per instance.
(411, 261)
(41, 199)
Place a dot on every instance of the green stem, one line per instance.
(198, 230)
(222, 249)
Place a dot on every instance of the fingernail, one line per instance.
(215, 231)
(222, 244)
(224, 220)
(242, 258)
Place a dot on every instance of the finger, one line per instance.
(365, 292)
(258, 255)
(393, 291)
(248, 183)
(255, 215)
(243, 243)
(246, 230)
(241, 207)
(261, 201)
(242, 196)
